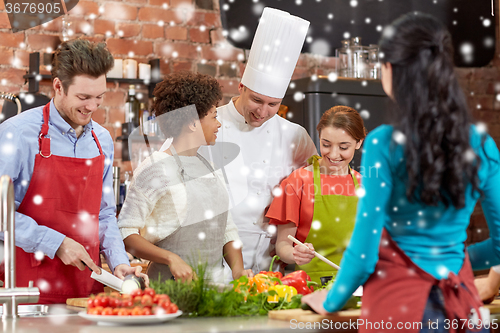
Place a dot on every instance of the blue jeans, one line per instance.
(434, 319)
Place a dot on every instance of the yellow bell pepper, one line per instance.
(282, 291)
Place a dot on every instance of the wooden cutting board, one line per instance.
(341, 316)
(78, 302)
(494, 306)
(309, 316)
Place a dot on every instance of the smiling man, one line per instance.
(61, 164)
(270, 147)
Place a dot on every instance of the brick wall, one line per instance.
(187, 35)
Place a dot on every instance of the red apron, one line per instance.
(71, 190)
(398, 290)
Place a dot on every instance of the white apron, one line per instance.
(200, 237)
(267, 155)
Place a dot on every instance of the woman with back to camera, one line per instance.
(423, 179)
(176, 210)
(323, 193)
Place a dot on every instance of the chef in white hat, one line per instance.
(268, 147)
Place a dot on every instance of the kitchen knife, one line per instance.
(108, 279)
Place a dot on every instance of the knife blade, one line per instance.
(108, 279)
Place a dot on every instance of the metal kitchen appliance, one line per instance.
(11, 296)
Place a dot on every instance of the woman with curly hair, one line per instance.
(176, 211)
(423, 178)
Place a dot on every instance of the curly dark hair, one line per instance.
(432, 109)
(182, 89)
(80, 57)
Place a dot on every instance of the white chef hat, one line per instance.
(275, 50)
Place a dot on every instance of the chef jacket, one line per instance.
(18, 148)
(267, 154)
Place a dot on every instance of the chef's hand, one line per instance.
(303, 255)
(243, 272)
(315, 301)
(73, 253)
(180, 270)
(123, 270)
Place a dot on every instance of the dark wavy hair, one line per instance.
(432, 109)
(80, 57)
(182, 89)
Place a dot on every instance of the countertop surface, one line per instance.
(65, 319)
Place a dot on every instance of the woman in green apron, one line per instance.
(317, 204)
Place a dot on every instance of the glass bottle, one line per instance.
(132, 108)
(144, 115)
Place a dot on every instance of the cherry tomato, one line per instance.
(107, 311)
(114, 294)
(123, 312)
(150, 291)
(158, 310)
(147, 300)
(96, 310)
(165, 304)
(127, 303)
(137, 299)
(147, 312)
(163, 297)
(93, 311)
(115, 302)
(115, 311)
(102, 301)
(173, 308)
(137, 311)
(90, 303)
(136, 292)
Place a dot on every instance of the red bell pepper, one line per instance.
(271, 273)
(300, 280)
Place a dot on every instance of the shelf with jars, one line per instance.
(140, 132)
(33, 76)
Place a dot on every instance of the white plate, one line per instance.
(130, 320)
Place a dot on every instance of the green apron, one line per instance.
(336, 215)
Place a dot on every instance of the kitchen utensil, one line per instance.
(108, 279)
(325, 279)
(131, 283)
(319, 256)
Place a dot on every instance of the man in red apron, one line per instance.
(61, 162)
